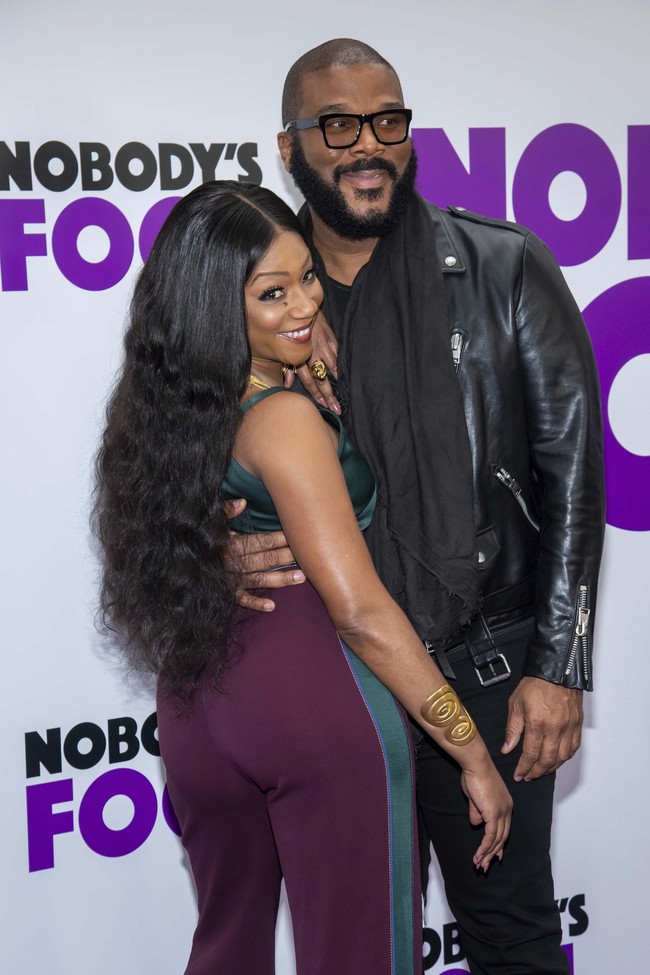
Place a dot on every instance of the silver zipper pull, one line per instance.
(456, 348)
(508, 481)
(583, 621)
(506, 478)
(580, 638)
(502, 475)
(583, 612)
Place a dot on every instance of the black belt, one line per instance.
(489, 663)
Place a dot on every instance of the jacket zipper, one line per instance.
(509, 482)
(580, 640)
(457, 342)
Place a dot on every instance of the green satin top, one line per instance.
(260, 514)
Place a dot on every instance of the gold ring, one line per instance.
(318, 370)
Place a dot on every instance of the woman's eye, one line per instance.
(271, 293)
(310, 275)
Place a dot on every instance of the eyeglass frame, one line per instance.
(300, 124)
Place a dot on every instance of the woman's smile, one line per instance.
(299, 334)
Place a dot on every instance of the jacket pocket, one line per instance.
(509, 483)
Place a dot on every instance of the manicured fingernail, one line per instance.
(298, 576)
(269, 607)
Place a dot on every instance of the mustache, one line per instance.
(366, 166)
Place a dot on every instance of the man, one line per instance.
(468, 384)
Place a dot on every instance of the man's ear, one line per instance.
(285, 145)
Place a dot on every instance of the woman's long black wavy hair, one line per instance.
(167, 589)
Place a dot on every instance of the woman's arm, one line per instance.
(286, 443)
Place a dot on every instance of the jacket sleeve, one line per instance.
(563, 415)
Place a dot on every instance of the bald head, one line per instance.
(340, 52)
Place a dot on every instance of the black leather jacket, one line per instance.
(532, 403)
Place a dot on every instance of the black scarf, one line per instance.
(406, 417)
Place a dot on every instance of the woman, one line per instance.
(285, 755)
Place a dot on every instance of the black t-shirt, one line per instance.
(340, 295)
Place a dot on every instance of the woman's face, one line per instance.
(282, 297)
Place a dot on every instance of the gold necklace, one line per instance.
(254, 381)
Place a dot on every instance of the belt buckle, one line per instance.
(496, 678)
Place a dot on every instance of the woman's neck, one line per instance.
(265, 374)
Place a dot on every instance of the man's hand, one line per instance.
(550, 718)
(324, 347)
(256, 558)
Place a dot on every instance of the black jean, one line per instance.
(508, 920)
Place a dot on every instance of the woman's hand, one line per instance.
(489, 803)
(257, 558)
(324, 347)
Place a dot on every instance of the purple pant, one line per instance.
(299, 768)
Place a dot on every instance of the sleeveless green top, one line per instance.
(260, 515)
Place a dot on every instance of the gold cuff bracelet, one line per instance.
(444, 710)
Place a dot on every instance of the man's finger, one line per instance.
(248, 555)
(234, 508)
(263, 562)
(514, 731)
(545, 761)
(568, 746)
(565, 750)
(258, 603)
(576, 738)
(276, 579)
(529, 755)
(241, 545)
(267, 580)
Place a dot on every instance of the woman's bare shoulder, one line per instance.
(279, 423)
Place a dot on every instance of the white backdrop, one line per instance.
(534, 111)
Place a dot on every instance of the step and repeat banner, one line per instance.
(109, 113)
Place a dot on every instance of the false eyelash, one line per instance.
(270, 292)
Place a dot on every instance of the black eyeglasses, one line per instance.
(342, 130)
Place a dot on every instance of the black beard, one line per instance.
(330, 205)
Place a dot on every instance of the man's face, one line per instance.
(361, 191)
